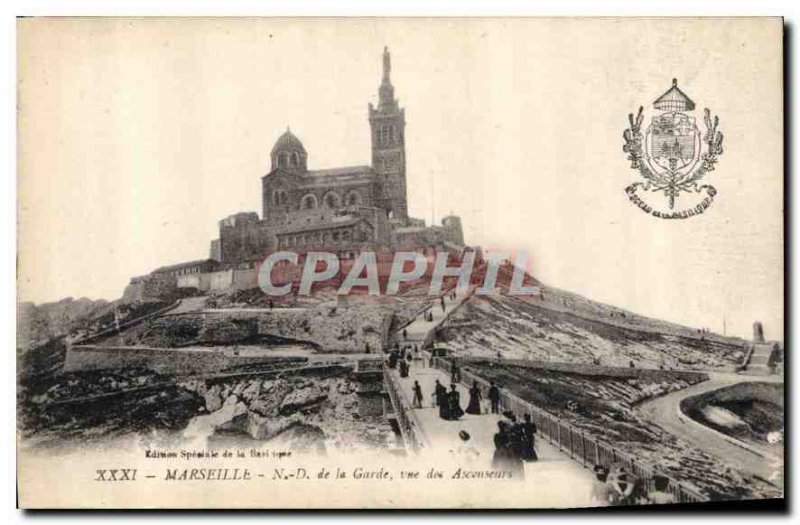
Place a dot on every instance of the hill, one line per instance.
(562, 326)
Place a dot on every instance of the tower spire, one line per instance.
(386, 101)
(387, 66)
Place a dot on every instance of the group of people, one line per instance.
(448, 402)
(514, 443)
(616, 486)
(400, 358)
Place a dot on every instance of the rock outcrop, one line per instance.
(304, 411)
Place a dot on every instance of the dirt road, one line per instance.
(665, 411)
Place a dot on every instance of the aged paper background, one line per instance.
(136, 136)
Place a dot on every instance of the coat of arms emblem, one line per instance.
(673, 157)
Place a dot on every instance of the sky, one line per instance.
(137, 135)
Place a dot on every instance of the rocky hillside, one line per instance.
(311, 409)
(101, 405)
(567, 328)
(352, 328)
(316, 410)
(38, 323)
(43, 331)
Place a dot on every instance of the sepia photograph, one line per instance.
(400, 262)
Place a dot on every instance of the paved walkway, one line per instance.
(555, 475)
(665, 411)
(189, 304)
(197, 305)
(419, 328)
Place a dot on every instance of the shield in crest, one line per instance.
(673, 143)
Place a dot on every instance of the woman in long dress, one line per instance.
(505, 458)
(499, 458)
(455, 403)
(474, 406)
(442, 401)
(528, 439)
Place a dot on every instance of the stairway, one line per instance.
(759, 363)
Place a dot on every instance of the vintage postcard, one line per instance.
(390, 263)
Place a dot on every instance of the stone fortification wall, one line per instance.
(149, 288)
(234, 279)
(160, 360)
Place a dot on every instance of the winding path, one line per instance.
(665, 411)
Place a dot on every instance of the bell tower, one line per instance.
(387, 123)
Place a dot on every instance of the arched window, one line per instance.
(332, 200)
(279, 197)
(308, 202)
(353, 198)
(283, 159)
(295, 159)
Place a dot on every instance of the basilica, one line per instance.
(345, 209)
(340, 207)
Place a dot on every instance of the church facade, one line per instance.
(343, 210)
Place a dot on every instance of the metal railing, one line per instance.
(410, 428)
(589, 451)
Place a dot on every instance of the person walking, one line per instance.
(499, 458)
(528, 437)
(494, 398)
(443, 401)
(474, 406)
(454, 399)
(504, 457)
(417, 395)
(515, 436)
(403, 368)
(455, 373)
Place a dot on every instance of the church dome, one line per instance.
(289, 142)
(288, 153)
